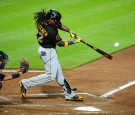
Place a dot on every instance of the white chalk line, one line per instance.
(118, 89)
(30, 105)
(13, 70)
(54, 94)
(5, 98)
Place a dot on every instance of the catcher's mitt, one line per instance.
(24, 65)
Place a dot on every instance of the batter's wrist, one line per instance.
(70, 31)
(71, 42)
(67, 43)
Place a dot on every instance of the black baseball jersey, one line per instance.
(50, 36)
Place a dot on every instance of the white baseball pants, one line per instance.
(52, 71)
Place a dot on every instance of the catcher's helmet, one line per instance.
(55, 15)
(3, 59)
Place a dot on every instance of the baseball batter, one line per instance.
(47, 24)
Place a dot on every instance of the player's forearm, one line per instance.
(65, 43)
(64, 28)
(12, 76)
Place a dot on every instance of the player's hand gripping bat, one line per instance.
(93, 47)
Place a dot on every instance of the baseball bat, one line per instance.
(98, 50)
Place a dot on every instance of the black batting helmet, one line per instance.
(55, 15)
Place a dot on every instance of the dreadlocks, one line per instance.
(40, 16)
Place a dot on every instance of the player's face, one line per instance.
(52, 22)
(0, 62)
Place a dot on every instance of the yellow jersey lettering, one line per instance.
(42, 30)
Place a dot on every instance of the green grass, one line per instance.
(98, 22)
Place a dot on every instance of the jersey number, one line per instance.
(42, 30)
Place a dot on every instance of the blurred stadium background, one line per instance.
(98, 22)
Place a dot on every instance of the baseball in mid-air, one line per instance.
(116, 44)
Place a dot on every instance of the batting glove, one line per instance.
(73, 35)
(77, 40)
